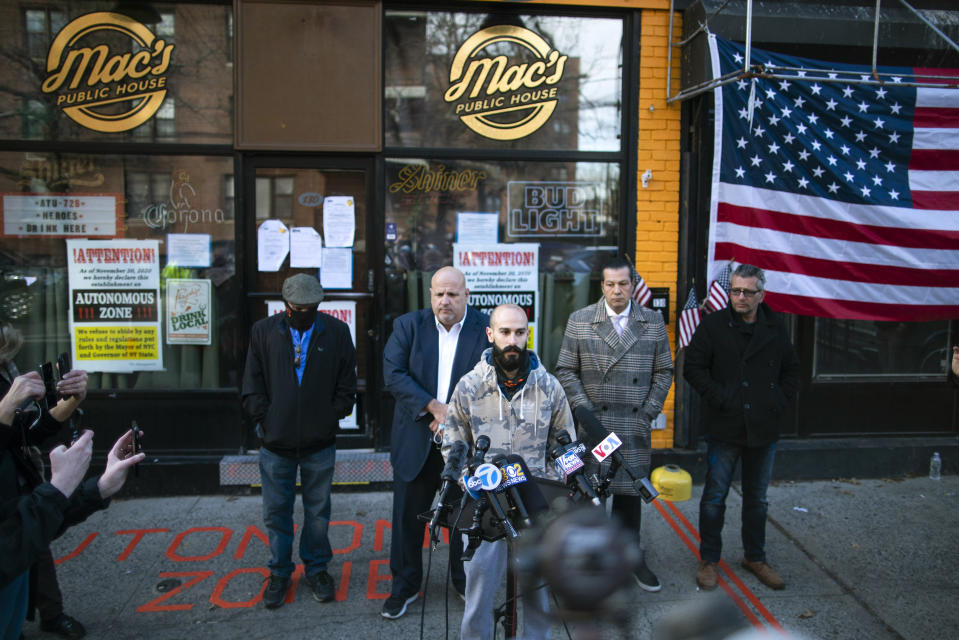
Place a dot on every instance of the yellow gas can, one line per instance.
(672, 482)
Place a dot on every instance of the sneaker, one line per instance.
(765, 573)
(646, 579)
(63, 625)
(395, 605)
(706, 577)
(275, 591)
(321, 586)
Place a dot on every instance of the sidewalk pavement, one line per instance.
(862, 559)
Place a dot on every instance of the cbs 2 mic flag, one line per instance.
(688, 319)
(846, 194)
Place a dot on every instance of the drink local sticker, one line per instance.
(188, 311)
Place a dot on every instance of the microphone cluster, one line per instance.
(504, 488)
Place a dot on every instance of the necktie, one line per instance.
(619, 324)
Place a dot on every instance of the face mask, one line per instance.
(300, 320)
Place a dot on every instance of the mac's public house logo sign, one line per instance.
(108, 87)
(500, 96)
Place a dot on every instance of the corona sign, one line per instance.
(107, 87)
(499, 97)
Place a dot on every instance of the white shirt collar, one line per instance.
(625, 313)
(442, 330)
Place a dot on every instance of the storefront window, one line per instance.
(568, 210)
(81, 71)
(858, 349)
(172, 210)
(504, 81)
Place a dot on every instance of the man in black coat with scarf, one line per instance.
(743, 364)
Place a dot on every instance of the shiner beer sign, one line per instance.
(505, 97)
(107, 87)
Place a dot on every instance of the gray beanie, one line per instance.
(302, 290)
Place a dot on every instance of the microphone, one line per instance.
(514, 476)
(608, 445)
(450, 474)
(567, 459)
(470, 482)
(490, 477)
(530, 492)
(479, 455)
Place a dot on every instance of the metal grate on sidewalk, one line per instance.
(353, 466)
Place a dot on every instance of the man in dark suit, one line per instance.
(426, 355)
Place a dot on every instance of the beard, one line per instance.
(509, 358)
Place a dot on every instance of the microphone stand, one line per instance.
(602, 488)
(509, 611)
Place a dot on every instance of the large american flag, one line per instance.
(846, 194)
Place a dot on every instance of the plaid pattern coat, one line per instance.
(623, 380)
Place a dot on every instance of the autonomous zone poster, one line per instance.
(502, 274)
(115, 305)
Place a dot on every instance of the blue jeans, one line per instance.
(13, 606)
(278, 477)
(757, 471)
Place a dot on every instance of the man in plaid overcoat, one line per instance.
(615, 361)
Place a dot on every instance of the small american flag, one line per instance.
(844, 189)
(641, 293)
(718, 296)
(688, 319)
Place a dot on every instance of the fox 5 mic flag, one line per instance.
(718, 295)
(688, 319)
(844, 189)
(641, 293)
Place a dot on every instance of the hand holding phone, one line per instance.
(137, 447)
(63, 366)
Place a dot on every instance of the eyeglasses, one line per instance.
(749, 293)
(296, 358)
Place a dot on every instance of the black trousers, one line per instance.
(629, 511)
(46, 591)
(406, 544)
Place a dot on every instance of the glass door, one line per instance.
(309, 216)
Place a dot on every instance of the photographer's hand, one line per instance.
(119, 461)
(27, 385)
(73, 389)
(68, 466)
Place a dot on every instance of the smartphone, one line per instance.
(49, 384)
(135, 430)
(63, 366)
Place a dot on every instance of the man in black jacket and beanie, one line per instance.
(743, 364)
(300, 380)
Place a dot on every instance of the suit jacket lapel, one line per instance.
(634, 328)
(604, 328)
(428, 344)
(464, 347)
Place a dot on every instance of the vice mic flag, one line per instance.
(688, 319)
(846, 194)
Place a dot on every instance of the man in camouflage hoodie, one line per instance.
(511, 398)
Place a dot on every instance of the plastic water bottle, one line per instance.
(935, 466)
